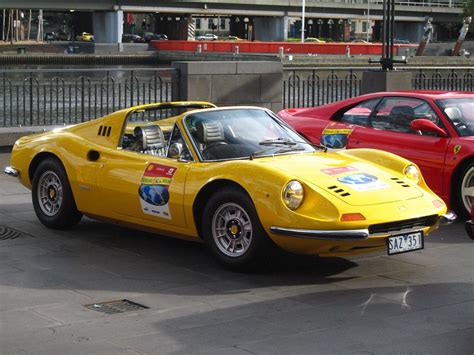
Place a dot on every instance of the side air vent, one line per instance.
(339, 191)
(400, 182)
(104, 131)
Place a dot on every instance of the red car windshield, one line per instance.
(460, 112)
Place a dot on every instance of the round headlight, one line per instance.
(293, 194)
(412, 172)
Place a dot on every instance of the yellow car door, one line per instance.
(139, 187)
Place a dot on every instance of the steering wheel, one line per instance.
(205, 151)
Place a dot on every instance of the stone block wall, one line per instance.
(232, 83)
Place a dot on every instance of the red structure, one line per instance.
(273, 47)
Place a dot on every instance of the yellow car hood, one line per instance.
(353, 181)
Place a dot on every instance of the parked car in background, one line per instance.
(207, 37)
(237, 178)
(359, 40)
(233, 39)
(63, 36)
(314, 39)
(149, 36)
(401, 41)
(50, 36)
(434, 129)
(86, 37)
(131, 38)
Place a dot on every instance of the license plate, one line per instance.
(403, 243)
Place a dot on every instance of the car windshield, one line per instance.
(242, 133)
(460, 112)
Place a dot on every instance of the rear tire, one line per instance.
(52, 196)
(233, 232)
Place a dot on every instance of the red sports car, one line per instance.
(434, 129)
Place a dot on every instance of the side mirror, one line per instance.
(425, 125)
(175, 151)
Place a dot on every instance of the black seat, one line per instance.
(151, 138)
(211, 136)
(209, 132)
(401, 117)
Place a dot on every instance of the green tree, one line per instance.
(469, 8)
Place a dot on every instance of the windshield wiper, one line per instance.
(280, 150)
(278, 141)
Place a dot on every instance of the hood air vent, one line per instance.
(338, 191)
(400, 182)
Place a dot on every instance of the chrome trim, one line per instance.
(400, 231)
(11, 171)
(345, 234)
(447, 218)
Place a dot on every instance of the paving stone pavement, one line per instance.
(415, 303)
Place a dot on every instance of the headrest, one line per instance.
(152, 137)
(209, 132)
(453, 113)
(403, 111)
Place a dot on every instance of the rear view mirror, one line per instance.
(425, 125)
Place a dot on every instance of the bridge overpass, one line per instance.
(268, 18)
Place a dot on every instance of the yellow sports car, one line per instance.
(86, 37)
(237, 178)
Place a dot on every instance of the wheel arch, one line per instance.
(205, 193)
(37, 160)
(456, 175)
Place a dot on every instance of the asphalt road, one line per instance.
(416, 303)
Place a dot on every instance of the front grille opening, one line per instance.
(405, 224)
(114, 307)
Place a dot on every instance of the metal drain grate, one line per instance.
(113, 307)
(9, 233)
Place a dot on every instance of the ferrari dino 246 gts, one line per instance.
(238, 178)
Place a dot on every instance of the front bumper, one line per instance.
(11, 171)
(350, 234)
(447, 218)
(353, 234)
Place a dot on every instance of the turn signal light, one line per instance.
(438, 203)
(349, 217)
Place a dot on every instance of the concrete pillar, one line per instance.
(378, 80)
(232, 83)
(285, 28)
(270, 28)
(108, 26)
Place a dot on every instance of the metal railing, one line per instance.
(452, 79)
(421, 3)
(306, 87)
(68, 96)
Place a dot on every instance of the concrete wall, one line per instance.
(440, 49)
(232, 83)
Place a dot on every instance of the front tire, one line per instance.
(465, 191)
(52, 196)
(233, 232)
